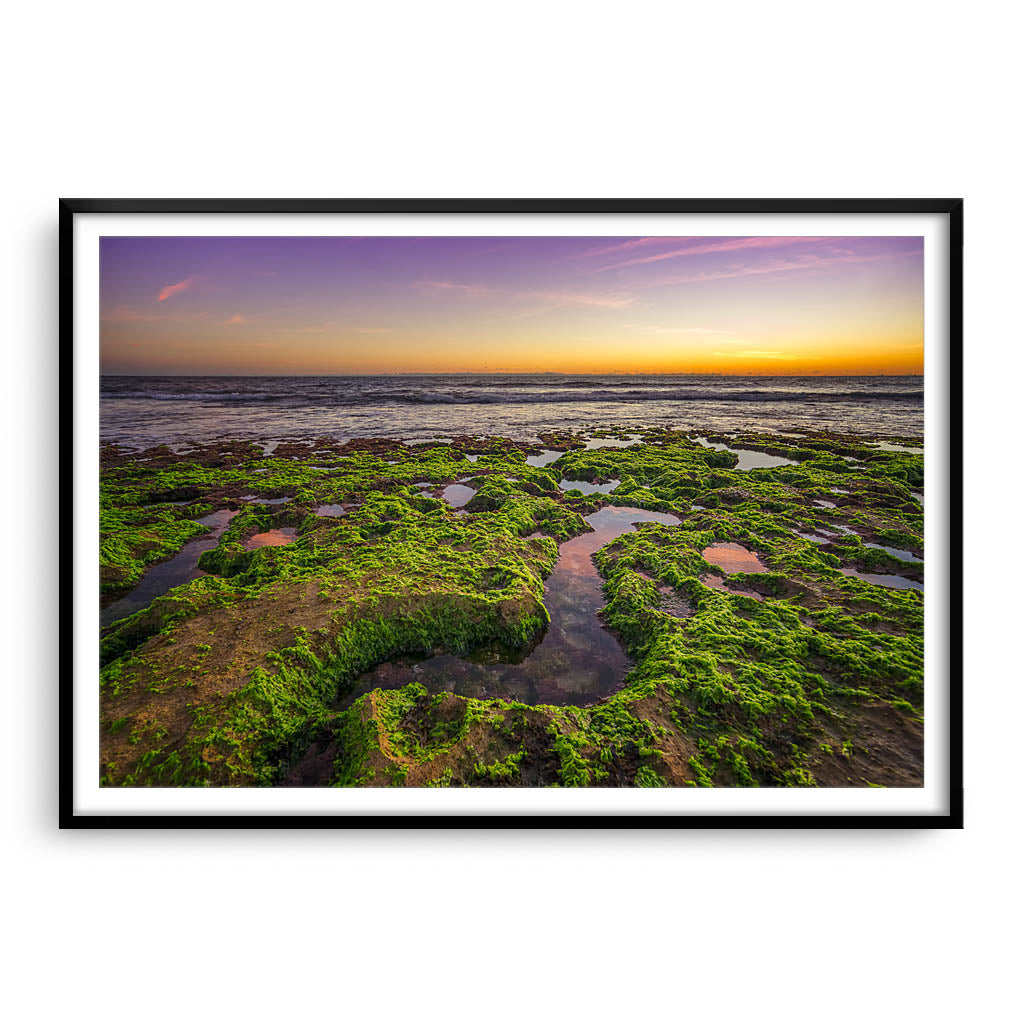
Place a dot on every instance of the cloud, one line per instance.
(374, 330)
(632, 243)
(659, 329)
(547, 299)
(233, 320)
(720, 245)
(173, 289)
(474, 290)
(555, 299)
(777, 266)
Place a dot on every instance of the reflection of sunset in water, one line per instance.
(733, 558)
(271, 539)
(457, 494)
(577, 661)
(172, 573)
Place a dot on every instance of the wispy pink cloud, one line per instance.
(173, 289)
(546, 299)
(634, 243)
(722, 245)
(557, 298)
(777, 266)
(233, 320)
(474, 290)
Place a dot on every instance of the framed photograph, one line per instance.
(511, 512)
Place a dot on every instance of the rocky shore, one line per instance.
(249, 587)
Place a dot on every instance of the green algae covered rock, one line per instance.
(805, 673)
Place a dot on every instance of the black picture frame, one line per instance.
(953, 209)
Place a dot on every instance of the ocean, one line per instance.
(143, 411)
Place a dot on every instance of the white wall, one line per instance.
(526, 99)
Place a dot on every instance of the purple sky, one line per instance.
(445, 304)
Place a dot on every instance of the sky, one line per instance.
(582, 304)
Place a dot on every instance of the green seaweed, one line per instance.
(231, 678)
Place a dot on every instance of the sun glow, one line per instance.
(536, 304)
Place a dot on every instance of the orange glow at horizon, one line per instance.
(762, 306)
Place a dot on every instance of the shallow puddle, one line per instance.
(271, 538)
(576, 662)
(887, 446)
(611, 442)
(812, 537)
(716, 445)
(821, 503)
(252, 499)
(330, 511)
(747, 459)
(884, 580)
(546, 457)
(589, 488)
(165, 576)
(457, 494)
(760, 460)
(733, 558)
(900, 553)
(472, 458)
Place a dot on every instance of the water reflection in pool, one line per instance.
(748, 459)
(812, 537)
(588, 488)
(884, 580)
(760, 460)
(611, 442)
(271, 538)
(457, 494)
(887, 446)
(546, 457)
(166, 575)
(576, 662)
(733, 558)
(900, 553)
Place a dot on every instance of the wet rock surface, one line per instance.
(449, 612)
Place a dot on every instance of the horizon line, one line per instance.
(511, 373)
